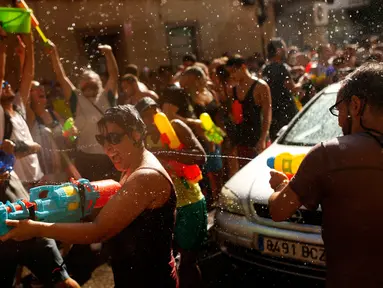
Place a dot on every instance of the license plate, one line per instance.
(293, 250)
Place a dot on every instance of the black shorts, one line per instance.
(40, 255)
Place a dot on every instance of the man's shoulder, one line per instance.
(261, 83)
(346, 142)
(177, 123)
(150, 93)
(346, 147)
(174, 93)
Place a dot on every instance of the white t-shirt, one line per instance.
(49, 156)
(86, 120)
(27, 168)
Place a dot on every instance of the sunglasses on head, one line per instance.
(112, 138)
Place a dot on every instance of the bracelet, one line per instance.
(282, 185)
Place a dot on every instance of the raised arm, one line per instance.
(3, 56)
(28, 72)
(111, 63)
(61, 76)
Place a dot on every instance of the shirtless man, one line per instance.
(253, 97)
(133, 92)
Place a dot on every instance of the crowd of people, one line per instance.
(114, 137)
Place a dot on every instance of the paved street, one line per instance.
(220, 271)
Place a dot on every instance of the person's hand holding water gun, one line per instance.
(8, 146)
(277, 179)
(69, 129)
(35, 23)
(212, 132)
(286, 163)
(7, 159)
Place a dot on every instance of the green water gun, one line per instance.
(68, 125)
(212, 132)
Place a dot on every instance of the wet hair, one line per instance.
(222, 74)
(165, 70)
(194, 71)
(129, 78)
(366, 82)
(203, 67)
(198, 73)
(236, 61)
(189, 58)
(131, 69)
(273, 46)
(90, 74)
(127, 118)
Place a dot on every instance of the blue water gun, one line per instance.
(7, 161)
(68, 202)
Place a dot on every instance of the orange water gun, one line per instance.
(191, 173)
(35, 23)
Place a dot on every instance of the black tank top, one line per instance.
(142, 252)
(248, 131)
(211, 109)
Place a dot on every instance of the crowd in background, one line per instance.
(249, 99)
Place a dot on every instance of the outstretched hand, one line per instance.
(23, 230)
(8, 146)
(104, 48)
(2, 32)
(277, 178)
(50, 47)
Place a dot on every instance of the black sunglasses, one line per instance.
(334, 108)
(112, 138)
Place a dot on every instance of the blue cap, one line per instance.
(270, 162)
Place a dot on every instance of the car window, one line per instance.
(316, 124)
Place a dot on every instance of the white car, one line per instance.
(243, 226)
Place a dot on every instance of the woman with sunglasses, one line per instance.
(137, 223)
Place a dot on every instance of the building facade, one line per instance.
(316, 22)
(147, 33)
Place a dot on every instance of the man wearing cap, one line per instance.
(191, 222)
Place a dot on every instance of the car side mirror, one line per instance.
(282, 130)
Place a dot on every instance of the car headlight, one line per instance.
(228, 201)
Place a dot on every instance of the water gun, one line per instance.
(297, 102)
(6, 162)
(190, 173)
(237, 112)
(68, 125)
(35, 23)
(68, 202)
(212, 132)
(286, 163)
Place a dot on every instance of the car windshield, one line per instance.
(315, 125)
